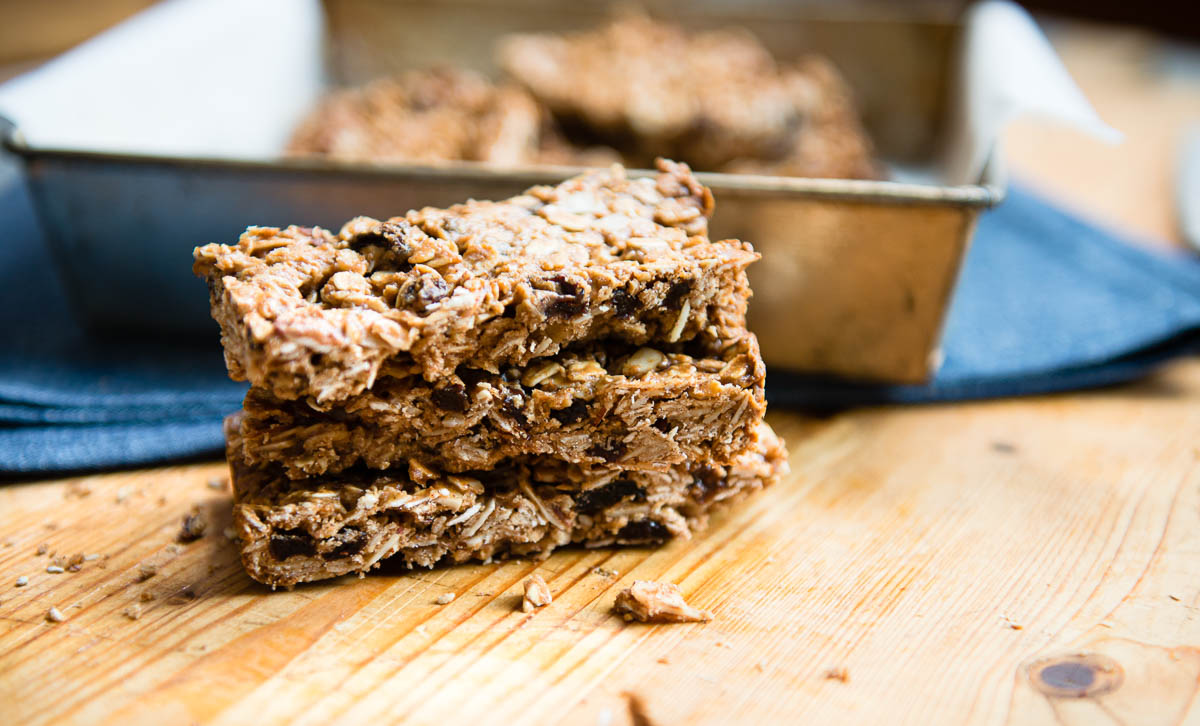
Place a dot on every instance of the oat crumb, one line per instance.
(55, 615)
(146, 570)
(663, 660)
(604, 572)
(1174, 597)
(657, 602)
(75, 563)
(22, 581)
(216, 483)
(133, 612)
(42, 549)
(54, 569)
(194, 526)
(445, 598)
(537, 594)
(838, 674)
(146, 596)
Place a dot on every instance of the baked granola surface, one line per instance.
(301, 530)
(640, 408)
(308, 313)
(715, 99)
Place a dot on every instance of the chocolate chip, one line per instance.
(392, 237)
(352, 542)
(708, 481)
(418, 294)
(568, 301)
(609, 453)
(600, 498)
(624, 304)
(451, 397)
(663, 425)
(472, 376)
(646, 531)
(576, 412)
(512, 407)
(674, 297)
(290, 542)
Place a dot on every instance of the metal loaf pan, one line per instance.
(855, 279)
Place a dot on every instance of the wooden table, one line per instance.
(974, 563)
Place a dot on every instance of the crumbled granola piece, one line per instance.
(133, 612)
(537, 594)
(22, 581)
(838, 674)
(55, 569)
(445, 598)
(146, 596)
(75, 563)
(194, 525)
(55, 615)
(146, 570)
(657, 602)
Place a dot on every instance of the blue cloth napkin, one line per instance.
(1046, 303)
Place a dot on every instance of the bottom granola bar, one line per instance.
(310, 529)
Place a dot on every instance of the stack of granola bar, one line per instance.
(492, 379)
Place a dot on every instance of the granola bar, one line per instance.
(305, 312)
(441, 114)
(637, 408)
(715, 99)
(294, 531)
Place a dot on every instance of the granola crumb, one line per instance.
(55, 615)
(91, 557)
(445, 598)
(123, 494)
(657, 602)
(230, 534)
(162, 501)
(133, 612)
(663, 660)
(54, 569)
(838, 674)
(194, 526)
(78, 491)
(146, 570)
(22, 581)
(42, 549)
(217, 483)
(537, 594)
(146, 596)
(604, 572)
(51, 526)
(1174, 597)
(75, 563)
(174, 548)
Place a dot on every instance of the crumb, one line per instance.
(420, 630)
(51, 526)
(194, 525)
(537, 594)
(174, 548)
(1003, 447)
(759, 666)
(188, 594)
(146, 596)
(657, 602)
(230, 534)
(146, 570)
(1011, 624)
(637, 711)
(664, 660)
(770, 559)
(1174, 597)
(445, 598)
(55, 615)
(54, 569)
(133, 612)
(78, 491)
(22, 581)
(838, 674)
(162, 501)
(216, 483)
(75, 564)
(91, 558)
(42, 549)
(122, 494)
(603, 572)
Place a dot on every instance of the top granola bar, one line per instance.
(307, 313)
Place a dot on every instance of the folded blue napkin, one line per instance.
(1046, 303)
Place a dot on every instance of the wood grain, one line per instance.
(932, 553)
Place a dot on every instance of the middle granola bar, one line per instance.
(306, 313)
(637, 408)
